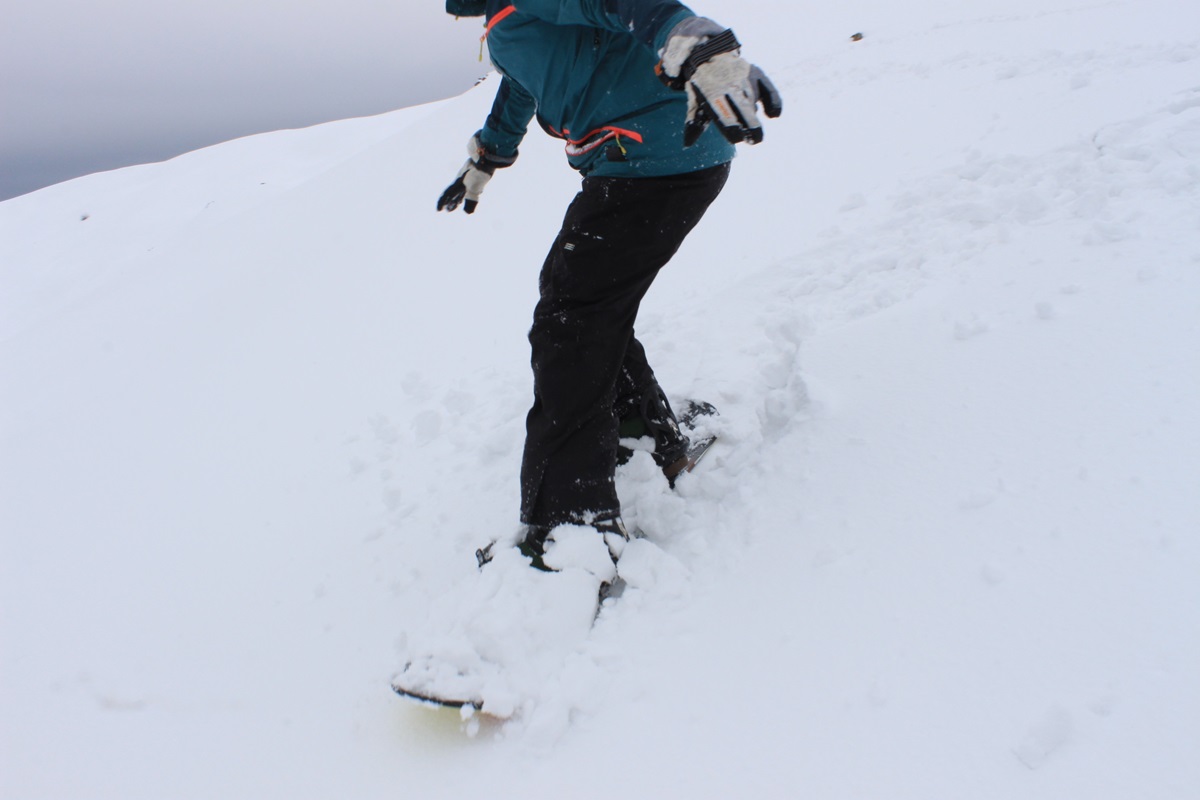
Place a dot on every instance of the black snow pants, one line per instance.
(617, 234)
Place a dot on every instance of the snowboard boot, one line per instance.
(533, 546)
(653, 417)
(608, 525)
(535, 537)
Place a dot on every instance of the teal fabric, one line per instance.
(582, 65)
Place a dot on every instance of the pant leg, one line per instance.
(617, 234)
(634, 380)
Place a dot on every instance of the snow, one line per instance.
(261, 404)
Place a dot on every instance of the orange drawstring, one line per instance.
(491, 24)
(577, 147)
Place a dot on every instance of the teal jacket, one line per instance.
(586, 69)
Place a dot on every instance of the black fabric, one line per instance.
(466, 8)
(617, 234)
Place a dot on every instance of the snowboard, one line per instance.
(428, 681)
(427, 698)
(693, 412)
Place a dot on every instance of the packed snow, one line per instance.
(261, 404)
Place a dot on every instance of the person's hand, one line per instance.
(472, 177)
(702, 58)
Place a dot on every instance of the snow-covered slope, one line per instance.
(260, 404)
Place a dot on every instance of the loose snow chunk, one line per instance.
(579, 547)
(646, 566)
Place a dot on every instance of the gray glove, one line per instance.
(703, 59)
(473, 177)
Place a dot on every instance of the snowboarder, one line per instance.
(650, 100)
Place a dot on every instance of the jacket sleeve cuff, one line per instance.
(497, 143)
(660, 38)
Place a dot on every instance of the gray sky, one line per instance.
(88, 86)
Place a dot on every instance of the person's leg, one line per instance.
(634, 380)
(616, 235)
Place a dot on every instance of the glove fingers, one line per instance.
(766, 93)
(748, 124)
(729, 91)
(698, 116)
(452, 196)
(468, 187)
(739, 123)
(734, 115)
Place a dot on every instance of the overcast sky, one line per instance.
(87, 86)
